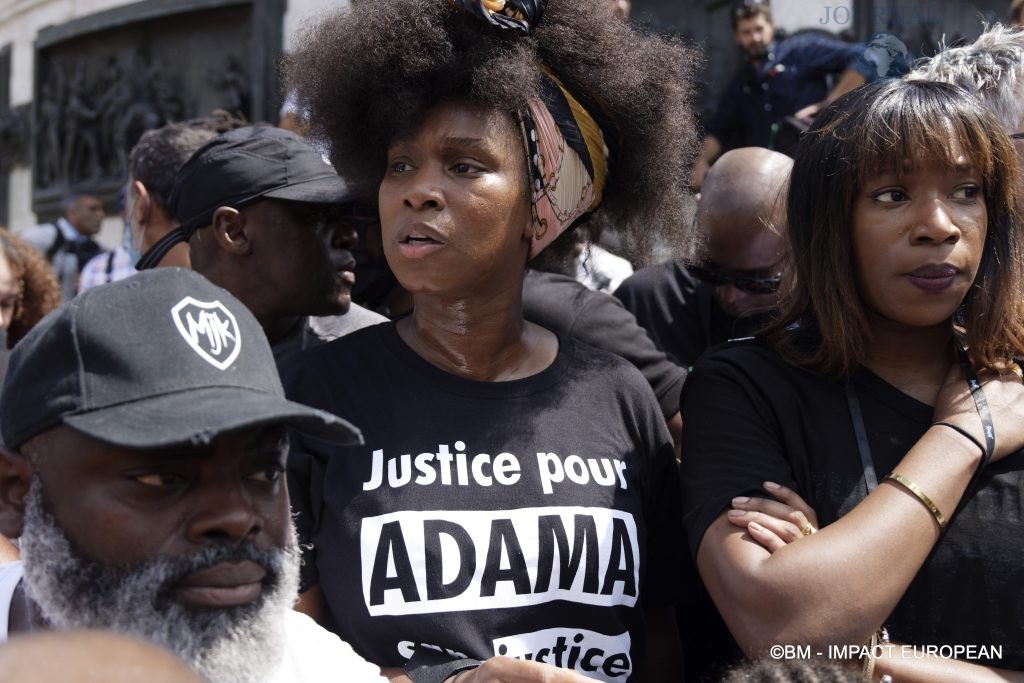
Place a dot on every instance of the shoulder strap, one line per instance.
(58, 241)
(863, 447)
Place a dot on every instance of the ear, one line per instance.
(15, 477)
(143, 204)
(528, 227)
(140, 215)
(230, 232)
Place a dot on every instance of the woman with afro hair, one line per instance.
(515, 500)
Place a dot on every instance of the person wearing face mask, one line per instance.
(152, 165)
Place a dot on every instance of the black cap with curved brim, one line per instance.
(163, 358)
(242, 166)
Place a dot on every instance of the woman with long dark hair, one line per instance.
(886, 394)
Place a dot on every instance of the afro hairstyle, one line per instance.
(371, 72)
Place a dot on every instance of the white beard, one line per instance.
(241, 644)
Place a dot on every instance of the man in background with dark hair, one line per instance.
(68, 243)
(1017, 12)
(777, 79)
(110, 266)
(152, 166)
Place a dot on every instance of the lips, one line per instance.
(226, 584)
(933, 277)
(419, 240)
(345, 266)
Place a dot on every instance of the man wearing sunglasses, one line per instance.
(267, 218)
(687, 310)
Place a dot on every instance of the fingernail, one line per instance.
(740, 500)
(772, 485)
(755, 526)
(737, 513)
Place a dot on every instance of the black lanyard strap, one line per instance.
(981, 404)
(863, 447)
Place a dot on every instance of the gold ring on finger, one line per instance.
(1015, 369)
(808, 529)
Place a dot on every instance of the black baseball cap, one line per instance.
(242, 166)
(162, 358)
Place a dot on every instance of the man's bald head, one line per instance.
(742, 214)
(746, 187)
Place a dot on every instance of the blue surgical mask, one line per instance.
(128, 243)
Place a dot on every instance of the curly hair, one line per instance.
(796, 671)
(370, 73)
(40, 292)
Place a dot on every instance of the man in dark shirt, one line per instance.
(777, 79)
(69, 243)
(264, 216)
(688, 310)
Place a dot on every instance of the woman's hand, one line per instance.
(501, 670)
(1004, 394)
(509, 670)
(774, 523)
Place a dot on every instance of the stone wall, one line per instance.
(34, 30)
(20, 23)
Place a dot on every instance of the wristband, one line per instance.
(966, 434)
(429, 670)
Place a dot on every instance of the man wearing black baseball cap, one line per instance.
(264, 214)
(144, 430)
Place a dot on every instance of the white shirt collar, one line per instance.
(68, 230)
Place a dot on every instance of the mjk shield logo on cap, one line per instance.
(210, 329)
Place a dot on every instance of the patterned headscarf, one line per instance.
(568, 141)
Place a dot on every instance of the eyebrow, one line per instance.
(466, 142)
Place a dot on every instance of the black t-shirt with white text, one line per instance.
(532, 518)
(751, 417)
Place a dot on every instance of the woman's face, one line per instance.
(455, 217)
(918, 239)
(10, 292)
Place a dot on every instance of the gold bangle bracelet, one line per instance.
(921, 495)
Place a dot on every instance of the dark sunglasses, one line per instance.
(1017, 136)
(324, 218)
(745, 283)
